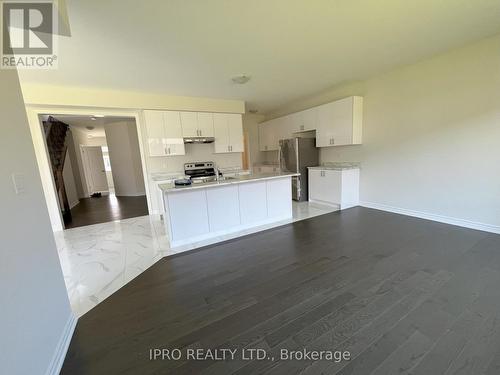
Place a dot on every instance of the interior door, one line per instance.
(95, 172)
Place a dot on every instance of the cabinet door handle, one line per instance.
(168, 150)
(230, 148)
(200, 133)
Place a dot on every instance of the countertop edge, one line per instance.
(168, 188)
(334, 168)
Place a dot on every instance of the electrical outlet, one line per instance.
(18, 181)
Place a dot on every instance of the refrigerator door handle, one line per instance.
(279, 156)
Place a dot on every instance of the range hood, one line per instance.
(199, 140)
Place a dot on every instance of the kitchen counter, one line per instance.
(213, 209)
(170, 187)
(337, 166)
(163, 176)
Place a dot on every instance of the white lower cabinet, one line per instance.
(223, 216)
(201, 213)
(279, 196)
(253, 202)
(334, 187)
(191, 216)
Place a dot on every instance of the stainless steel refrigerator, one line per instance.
(295, 155)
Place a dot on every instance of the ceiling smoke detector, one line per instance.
(241, 80)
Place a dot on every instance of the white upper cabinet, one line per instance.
(197, 124)
(189, 122)
(155, 128)
(173, 133)
(280, 131)
(337, 124)
(206, 124)
(268, 136)
(228, 132)
(304, 120)
(164, 133)
(340, 122)
(309, 119)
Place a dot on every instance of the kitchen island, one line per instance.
(209, 210)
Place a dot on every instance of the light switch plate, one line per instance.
(18, 180)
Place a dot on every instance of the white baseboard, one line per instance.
(433, 217)
(135, 194)
(62, 347)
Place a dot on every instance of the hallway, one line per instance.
(107, 208)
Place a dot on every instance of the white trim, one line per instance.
(139, 194)
(62, 346)
(434, 217)
(41, 154)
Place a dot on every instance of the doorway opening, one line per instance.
(96, 167)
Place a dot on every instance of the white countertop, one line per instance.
(337, 166)
(163, 176)
(170, 187)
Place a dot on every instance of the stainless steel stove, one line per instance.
(201, 171)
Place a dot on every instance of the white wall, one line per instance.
(69, 182)
(35, 312)
(431, 135)
(125, 158)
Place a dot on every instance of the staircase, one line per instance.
(55, 135)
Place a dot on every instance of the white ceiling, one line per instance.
(291, 48)
(81, 123)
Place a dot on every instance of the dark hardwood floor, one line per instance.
(402, 295)
(107, 208)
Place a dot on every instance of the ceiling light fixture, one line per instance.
(253, 110)
(241, 80)
(90, 127)
(93, 118)
(98, 116)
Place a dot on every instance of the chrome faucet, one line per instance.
(217, 173)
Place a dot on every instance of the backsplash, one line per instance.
(194, 152)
